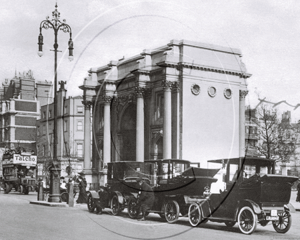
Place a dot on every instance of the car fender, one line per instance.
(120, 197)
(247, 202)
(94, 194)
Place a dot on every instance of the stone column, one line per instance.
(167, 127)
(175, 120)
(243, 94)
(87, 140)
(140, 139)
(106, 131)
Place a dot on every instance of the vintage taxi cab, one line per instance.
(252, 194)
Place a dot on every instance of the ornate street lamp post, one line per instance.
(56, 25)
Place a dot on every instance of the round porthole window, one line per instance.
(227, 93)
(212, 91)
(195, 89)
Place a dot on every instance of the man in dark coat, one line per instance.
(146, 197)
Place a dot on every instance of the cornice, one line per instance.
(181, 65)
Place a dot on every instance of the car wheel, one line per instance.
(64, 197)
(115, 205)
(7, 188)
(284, 223)
(171, 211)
(133, 208)
(194, 214)
(247, 220)
(229, 223)
(90, 203)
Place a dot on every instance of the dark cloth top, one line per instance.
(146, 193)
(298, 187)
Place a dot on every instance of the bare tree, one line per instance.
(277, 138)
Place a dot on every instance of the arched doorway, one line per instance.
(128, 134)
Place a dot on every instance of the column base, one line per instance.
(55, 198)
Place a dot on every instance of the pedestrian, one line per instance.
(82, 198)
(146, 197)
(298, 193)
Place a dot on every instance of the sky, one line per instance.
(267, 33)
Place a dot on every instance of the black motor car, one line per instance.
(252, 194)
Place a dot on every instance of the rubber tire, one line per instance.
(7, 188)
(171, 211)
(243, 213)
(194, 214)
(64, 197)
(90, 203)
(285, 217)
(115, 206)
(133, 208)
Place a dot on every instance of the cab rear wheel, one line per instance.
(7, 188)
(171, 211)
(133, 208)
(115, 205)
(284, 223)
(247, 220)
(90, 203)
(194, 214)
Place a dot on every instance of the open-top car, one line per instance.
(251, 194)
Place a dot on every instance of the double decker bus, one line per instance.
(19, 170)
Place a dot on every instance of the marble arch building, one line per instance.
(184, 100)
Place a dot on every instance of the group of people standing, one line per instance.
(80, 185)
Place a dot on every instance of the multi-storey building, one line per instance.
(70, 133)
(19, 108)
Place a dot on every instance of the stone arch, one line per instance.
(127, 133)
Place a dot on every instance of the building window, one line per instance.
(65, 110)
(44, 115)
(50, 114)
(44, 150)
(65, 126)
(79, 109)
(79, 149)
(38, 131)
(44, 129)
(79, 126)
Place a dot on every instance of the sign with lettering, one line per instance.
(20, 159)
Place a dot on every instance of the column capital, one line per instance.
(175, 86)
(243, 94)
(139, 91)
(87, 104)
(167, 85)
(107, 99)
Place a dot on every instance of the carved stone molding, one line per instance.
(87, 104)
(107, 99)
(243, 94)
(175, 87)
(167, 85)
(139, 92)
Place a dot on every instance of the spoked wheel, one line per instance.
(133, 208)
(171, 211)
(247, 220)
(7, 188)
(90, 203)
(229, 223)
(284, 223)
(21, 189)
(115, 205)
(64, 197)
(194, 214)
